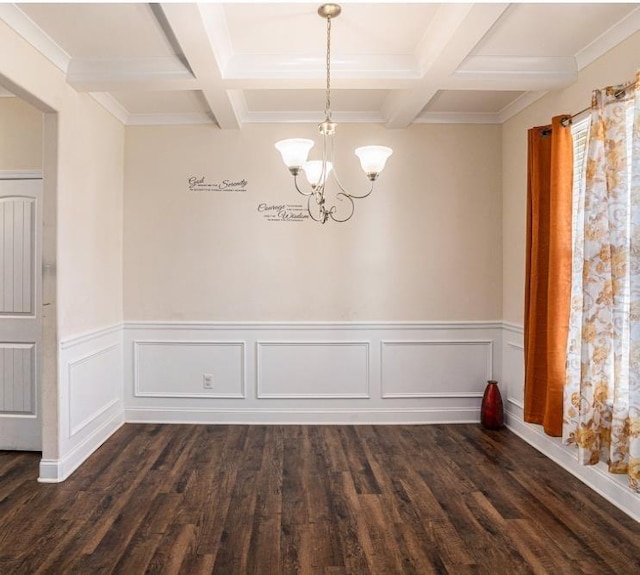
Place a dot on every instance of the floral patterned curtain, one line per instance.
(602, 390)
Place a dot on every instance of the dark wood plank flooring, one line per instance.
(310, 499)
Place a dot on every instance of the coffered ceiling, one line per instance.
(232, 63)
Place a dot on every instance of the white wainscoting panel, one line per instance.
(177, 369)
(93, 385)
(17, 378)
(513, 366)
(90, 398)
(308, 372)
(436, 368)
(313, 370)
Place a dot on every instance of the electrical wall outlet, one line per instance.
(207, 381)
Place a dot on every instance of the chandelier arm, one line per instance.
(311, 212)
(333, 209)
(360, 197)
(295, 183)
(345, 192)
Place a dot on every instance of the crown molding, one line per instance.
(619, 32)
(34, 35)
(111, 105)
(519, 104)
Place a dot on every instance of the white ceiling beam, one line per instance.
(512, 73)
(102, 75)
(313, 84)
(289, 67)
(187, 22)
(34, 35)
(451, 36)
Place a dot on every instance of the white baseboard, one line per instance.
(276, 416)
(57, 470)
(614, 488)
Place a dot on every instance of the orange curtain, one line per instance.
(548, 272)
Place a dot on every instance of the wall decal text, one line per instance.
(200, 184)
(283, 212)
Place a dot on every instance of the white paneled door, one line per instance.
(20, 314)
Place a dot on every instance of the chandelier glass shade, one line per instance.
(295, 152)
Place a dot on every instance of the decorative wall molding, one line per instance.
(324, 363)
(191, 368)
(76, 340)
(20, 174)
(415, 364)
(308, 372)
(75, 380)
(314, 325)
(89, 398)
(513, 327)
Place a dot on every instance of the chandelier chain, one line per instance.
(327, 109)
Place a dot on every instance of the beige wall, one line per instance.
(20, 135)
(83, 166)
(617, 66)
(90, 148)
(90, 219)
(426, 245)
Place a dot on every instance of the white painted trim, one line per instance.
(88, 336)
(262, 344)
(515, 345)
(513, 327)
(516, 402)
(111, 105)
(391, 343)
(138, 343)
(190, 119)
(250, 117)
(435, 394)
(57, 470)
(457, 118)
(379, 325)
(84, 359)
(390, 416)
(109, 70)
(619, 32)
(34, 35)
(516, 106)
(20, 174)
(611, 487)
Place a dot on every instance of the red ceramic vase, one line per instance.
(492, 412)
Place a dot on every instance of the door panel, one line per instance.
(20, 314)
(17, 258)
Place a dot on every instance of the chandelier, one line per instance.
(296, 150)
